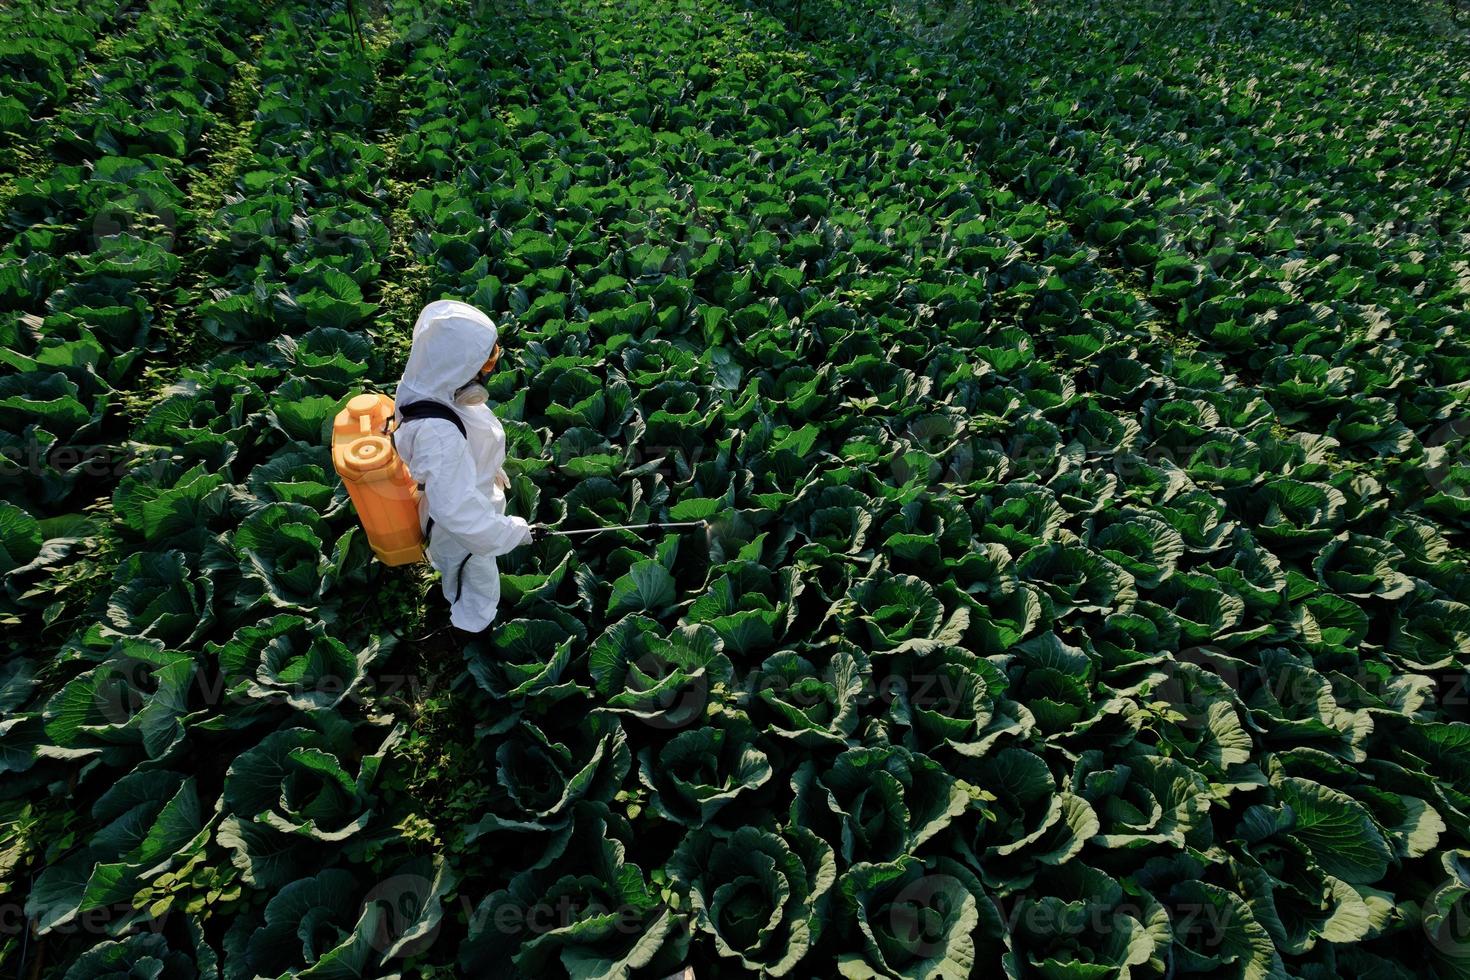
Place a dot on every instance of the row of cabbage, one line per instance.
(1214, 155)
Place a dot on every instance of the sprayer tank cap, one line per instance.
(362, 405)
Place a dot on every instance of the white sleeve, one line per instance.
(442, 463)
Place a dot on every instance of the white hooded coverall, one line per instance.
(464, 483)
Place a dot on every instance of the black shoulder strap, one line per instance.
(430, 410)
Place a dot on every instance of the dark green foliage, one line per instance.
(1075, 394)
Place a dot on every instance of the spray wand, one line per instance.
(653, 526)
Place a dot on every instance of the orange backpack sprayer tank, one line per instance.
(386, 496)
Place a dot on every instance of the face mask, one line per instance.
(473, 393)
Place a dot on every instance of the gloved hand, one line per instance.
(501, 480)
(535, 532)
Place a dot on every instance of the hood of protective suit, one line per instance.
(451, 340)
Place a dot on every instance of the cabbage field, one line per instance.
(1076, 392)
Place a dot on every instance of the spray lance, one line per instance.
(541, 529)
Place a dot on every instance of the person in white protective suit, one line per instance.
(462, 503)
